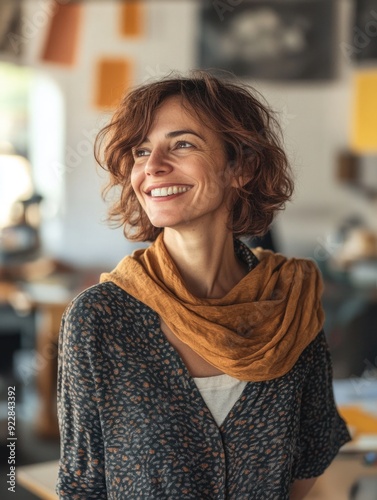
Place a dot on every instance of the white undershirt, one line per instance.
(220, 393)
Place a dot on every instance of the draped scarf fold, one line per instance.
(256, 332)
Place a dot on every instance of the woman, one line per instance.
(196, 369)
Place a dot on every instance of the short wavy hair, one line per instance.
(245, 123)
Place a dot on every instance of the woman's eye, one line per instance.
(183, 144)
(138, 153)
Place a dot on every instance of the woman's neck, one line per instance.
(207, 262)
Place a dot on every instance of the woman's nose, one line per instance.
(157, 163)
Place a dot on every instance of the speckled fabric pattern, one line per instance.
(134, 425)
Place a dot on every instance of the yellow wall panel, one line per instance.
(364, 122)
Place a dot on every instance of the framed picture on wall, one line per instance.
(11, 39)
(363, 43)
(270, 39)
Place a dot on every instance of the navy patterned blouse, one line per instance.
(134, 425)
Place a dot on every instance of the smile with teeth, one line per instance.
(168, 191)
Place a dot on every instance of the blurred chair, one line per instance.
(267, 241)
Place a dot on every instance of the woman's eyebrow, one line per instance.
(176, 133)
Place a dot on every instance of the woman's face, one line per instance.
(180, 173)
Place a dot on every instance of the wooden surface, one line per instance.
(40, 479)
(336, 482)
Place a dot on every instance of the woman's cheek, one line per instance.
(135, 180)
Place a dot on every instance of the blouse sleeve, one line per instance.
(322, 430)
(81, 466)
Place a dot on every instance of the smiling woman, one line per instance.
(236, 121)
(197, 368)
(167, 161)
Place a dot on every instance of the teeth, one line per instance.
(167, 191)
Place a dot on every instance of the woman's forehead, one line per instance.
(175, 111)
(175, 107)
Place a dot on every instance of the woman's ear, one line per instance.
(239, 181)
(238, 177)
(241, 175)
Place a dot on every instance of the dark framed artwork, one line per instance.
(363, 43)
(270, 39)
(11, 39)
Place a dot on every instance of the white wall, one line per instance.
(315, 121)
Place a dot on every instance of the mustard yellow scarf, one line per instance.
(256, 332)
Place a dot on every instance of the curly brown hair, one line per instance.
(237, 112)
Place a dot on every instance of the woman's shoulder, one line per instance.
(316, 356)
(317, 346)
(101, 316)
(101, 302)
(101, 291)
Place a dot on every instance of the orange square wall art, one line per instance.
(132, 16)
(113, 77)
(62, 40)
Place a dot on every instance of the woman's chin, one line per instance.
(169, 223)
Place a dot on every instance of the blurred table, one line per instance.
(339, 478)
(356, 399)
(50, 300)
(40, 479)
(48, 295)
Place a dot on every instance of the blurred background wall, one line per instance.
(315, 116)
